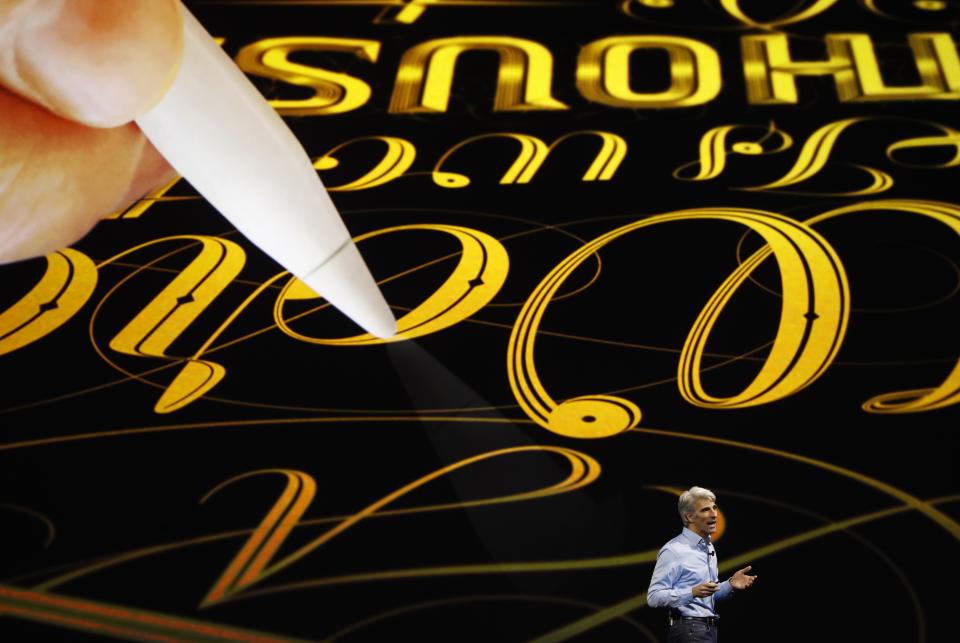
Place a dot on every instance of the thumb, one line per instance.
(99, 62)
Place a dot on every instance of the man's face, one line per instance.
(703, 520)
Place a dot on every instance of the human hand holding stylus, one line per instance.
(73, 75)
(223, 137)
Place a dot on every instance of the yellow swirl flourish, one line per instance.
(273, 530)
(397, 159)
(121, 621)
(816, 8)
(927, 508)
(950, 138)
(101, 564)
(252, 564)
(714, 150)
(922, 399)
(816, 153)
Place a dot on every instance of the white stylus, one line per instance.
(219, 133)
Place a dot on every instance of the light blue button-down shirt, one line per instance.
(683, 563)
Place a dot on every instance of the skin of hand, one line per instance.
(741, 580)
(704, 589)
(73, 75)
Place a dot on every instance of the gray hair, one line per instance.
(689, 498)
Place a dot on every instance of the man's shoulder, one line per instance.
(676, 544)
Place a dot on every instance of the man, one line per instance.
(685, 579)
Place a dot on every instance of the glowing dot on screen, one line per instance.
(747, 148)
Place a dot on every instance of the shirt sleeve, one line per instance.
(725, 590)
(662, 591)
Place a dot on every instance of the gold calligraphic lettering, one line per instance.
(66, 285)
(603, 72)
(476, 279)
(923, 399)
(247, 566)
(333, 92)
(397, 159)
(533, 152)
(151, 332)
(426, 72)
(814, 312)
(771, 72)
(714, 150)
(816, 153)
(198, 375)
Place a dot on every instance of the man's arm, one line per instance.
(662, 592)
(724, 590)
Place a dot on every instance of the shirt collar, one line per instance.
(694, 538)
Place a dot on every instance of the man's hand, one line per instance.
(73, 74)
(704, 589)
(741, 580)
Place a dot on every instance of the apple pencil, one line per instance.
(218, 132)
